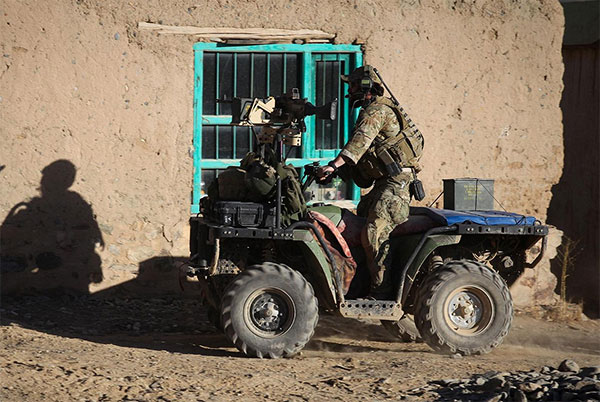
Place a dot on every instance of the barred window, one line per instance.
(224, 72)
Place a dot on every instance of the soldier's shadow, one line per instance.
(48, 242)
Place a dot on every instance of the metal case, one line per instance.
(469, 194)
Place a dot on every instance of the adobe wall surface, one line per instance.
(80, 83)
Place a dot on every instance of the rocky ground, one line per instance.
(164, 349)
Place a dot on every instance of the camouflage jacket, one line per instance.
(377, 119)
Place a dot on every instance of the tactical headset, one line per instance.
(366, 82)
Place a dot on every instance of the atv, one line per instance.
(266, 280)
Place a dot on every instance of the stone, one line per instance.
(140, 253)
(495, 398)
(589, 384)
(529, 387)
(592, 396)
(493, 384)
(536, 395)
(568, 365)
(449, 382)
(519, 396)
(480, 381)
(124, 267)
(589, 371)
(153, 232)
(108, 229)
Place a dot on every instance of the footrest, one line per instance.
(373, 309)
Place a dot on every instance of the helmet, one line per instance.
(365, 72)
(368, 80)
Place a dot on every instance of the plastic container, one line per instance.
(244, 214)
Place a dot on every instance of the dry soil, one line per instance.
(86, 349)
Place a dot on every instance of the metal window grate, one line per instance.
(247, 75)
(330, 134)
(224, 72)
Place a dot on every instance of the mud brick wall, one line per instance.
(96, 117)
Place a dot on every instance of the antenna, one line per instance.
(386, 87)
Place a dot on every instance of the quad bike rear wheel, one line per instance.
(403, 329)
(464, 307)
(269, 310)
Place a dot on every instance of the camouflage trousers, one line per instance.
(385, 207)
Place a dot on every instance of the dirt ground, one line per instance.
(89, 349)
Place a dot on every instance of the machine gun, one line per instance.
(281, 120)
(283, 115)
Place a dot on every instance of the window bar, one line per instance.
(323, 94)
(217, 105)
(217, 142)
(234, 132)
(268, 72)
(234, 95)
(337, 121)
(252, 75)
(235, 56)
(250, 134)
(284, 73)
(345, 104)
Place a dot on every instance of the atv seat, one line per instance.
(414, 224)
(351, 225)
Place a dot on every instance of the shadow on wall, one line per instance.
(49, 241)
(48, 261)
(574, 205)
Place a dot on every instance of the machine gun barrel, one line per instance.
(287, 109)
(327, 111)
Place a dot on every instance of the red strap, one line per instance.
(322, 219)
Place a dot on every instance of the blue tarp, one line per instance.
(448, 217)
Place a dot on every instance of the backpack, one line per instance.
(293, 204)
(256, 181)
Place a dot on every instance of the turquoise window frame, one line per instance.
(311, 54)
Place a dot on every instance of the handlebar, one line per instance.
(310, 175)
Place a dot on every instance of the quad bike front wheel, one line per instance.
(269, 310)
(464, 307)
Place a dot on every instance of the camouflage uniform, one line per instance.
(387, 204)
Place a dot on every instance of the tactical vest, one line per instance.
(405, 149)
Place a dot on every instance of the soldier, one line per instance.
(383, 151)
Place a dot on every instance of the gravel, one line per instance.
(568, 382)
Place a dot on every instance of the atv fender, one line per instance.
(404, 246)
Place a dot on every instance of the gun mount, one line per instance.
(283, 115)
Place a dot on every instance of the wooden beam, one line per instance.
(239, 33)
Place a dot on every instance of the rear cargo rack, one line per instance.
(471, 228)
